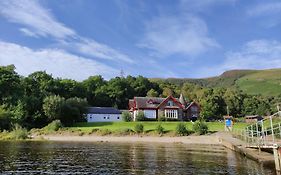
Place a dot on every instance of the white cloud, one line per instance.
(90, 47)
(202, 5)
(31, 14)
(56, 62)
(256, 54)
(269, 13)
(265, 9)
(27, 32)
(172, 35)
(39, 22)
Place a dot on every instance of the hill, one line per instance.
(264, 82)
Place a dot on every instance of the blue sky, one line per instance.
(167, 38)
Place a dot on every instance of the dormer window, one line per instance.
(170, 103)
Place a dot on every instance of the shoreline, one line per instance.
(204, 140)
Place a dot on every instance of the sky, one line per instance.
(160, 38)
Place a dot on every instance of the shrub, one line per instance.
(140, 116)
(139, 128)
(53, 126)
(161, 118)
(103, 132)
(19, 133)
(181, 129)
(200, 127)
(159, 129)
(126, 116)
(125, 131)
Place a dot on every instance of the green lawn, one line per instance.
(148, 126)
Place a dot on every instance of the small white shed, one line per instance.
(103, 114)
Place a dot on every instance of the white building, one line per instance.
(103, 114)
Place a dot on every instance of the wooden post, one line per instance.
(277, 157)
(280, 130)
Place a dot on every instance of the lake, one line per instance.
(42, 157)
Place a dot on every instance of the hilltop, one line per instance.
(264, 82)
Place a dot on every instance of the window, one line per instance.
(170, 103)
(171, 113)
(118, 118)
(90, 117)
(194, 109)
(104, 117)
(107, 117)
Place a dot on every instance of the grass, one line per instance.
(148, 126)
(265, 82)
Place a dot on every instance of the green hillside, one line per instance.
(265, 82)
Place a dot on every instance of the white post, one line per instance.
(252, 132)
(272, 131)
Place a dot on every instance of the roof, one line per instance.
(253, 116)
(148, 102)
(103, 110)
(151, 102)
(182, 100)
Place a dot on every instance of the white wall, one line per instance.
(103, 117)
(150, 114)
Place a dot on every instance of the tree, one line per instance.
(152, 93)
(5, 119)
(10, 85)
(73, 111)
(52, 107)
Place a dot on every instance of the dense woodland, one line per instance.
(39, 98)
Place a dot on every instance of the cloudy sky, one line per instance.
(171, 38)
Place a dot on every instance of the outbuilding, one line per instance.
(103, 114)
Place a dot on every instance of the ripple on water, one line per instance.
(122, 158)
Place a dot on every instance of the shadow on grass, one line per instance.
(93, 124)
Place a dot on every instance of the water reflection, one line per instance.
(121, 158)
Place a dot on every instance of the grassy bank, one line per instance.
(148, 126)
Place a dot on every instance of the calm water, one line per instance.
(121, 158)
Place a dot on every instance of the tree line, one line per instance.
(39, 98)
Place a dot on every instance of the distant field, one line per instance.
(148, 126)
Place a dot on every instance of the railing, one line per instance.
(263, 133)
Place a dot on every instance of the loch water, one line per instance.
(45, 157)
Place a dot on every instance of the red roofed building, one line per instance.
(170, 108)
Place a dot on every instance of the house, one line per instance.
(103, 114)
(170, 108)
(253, 118)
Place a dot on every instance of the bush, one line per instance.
(200, 127)
(139, 128)
(161, 118)
(140, 116)
(19, 133)
(159, 129)
(126, 116)
(125, 131)
(181, 129)
(103, 132)
(53, 126)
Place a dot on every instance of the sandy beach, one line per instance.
(211, 139)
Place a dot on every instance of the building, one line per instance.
(253, 118)
(103, 114)
(170, 108)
